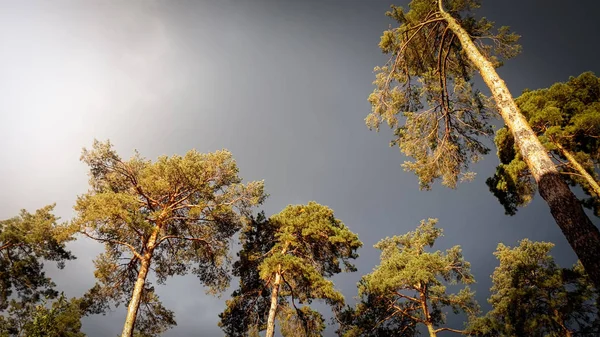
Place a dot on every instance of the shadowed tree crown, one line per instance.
(26, 241)
(247, 312)
(533, 296)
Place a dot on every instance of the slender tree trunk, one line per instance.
(581, 233)
(274, 304)
(426, 315)
(580, 169)
(275, 297)
(136, 296)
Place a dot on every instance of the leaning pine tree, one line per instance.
(435, 52)
(170, 217)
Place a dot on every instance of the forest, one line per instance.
(442, 97)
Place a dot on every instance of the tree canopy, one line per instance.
(180, 214)
(425, 91)
(437, 48)
(295, 251)
(177, 214)
(411, 282)
(26, 241)
(532, 296)
(247, 311)
(60, 317)
(566, 119)
(373, 316)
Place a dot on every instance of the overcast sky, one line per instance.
(280, 83)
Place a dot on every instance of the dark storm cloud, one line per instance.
(283, 85)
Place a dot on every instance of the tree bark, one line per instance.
(274, 303)
(136, 296)
(431, 330)
(581, 233)
(425, 308)
(580, 169)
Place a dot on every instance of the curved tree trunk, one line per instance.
(274, 303)
(580, 169)
(581, 233)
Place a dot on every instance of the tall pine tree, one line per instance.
(295, 251)
(533, 296)
(410, 282)
(172, 216)
(435, 52)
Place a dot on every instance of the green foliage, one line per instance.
(178, 213)
(566, 114)
(47, 318)
(62, 319)
(247, 311)
(25, 242)
(374, 317)
(305, 244)
(410, 281)
(310, 246)
(532, 296)
(427, 81)
(300, 322)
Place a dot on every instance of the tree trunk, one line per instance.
(425, 308)
(431, 330)
(136, 296)
(560, 322)
(581, 233)
(274, 303)
(580, 169)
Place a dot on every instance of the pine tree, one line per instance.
(435, 52)
(175, 215)
(532, 296)
(58, 318)
(247, 312)
(410, 281)
(566, 119)
(26, 241)
(295, 251)
(373, 316)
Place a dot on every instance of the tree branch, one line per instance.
(451, 330)
(131, 248)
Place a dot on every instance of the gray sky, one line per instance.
(283, 85)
